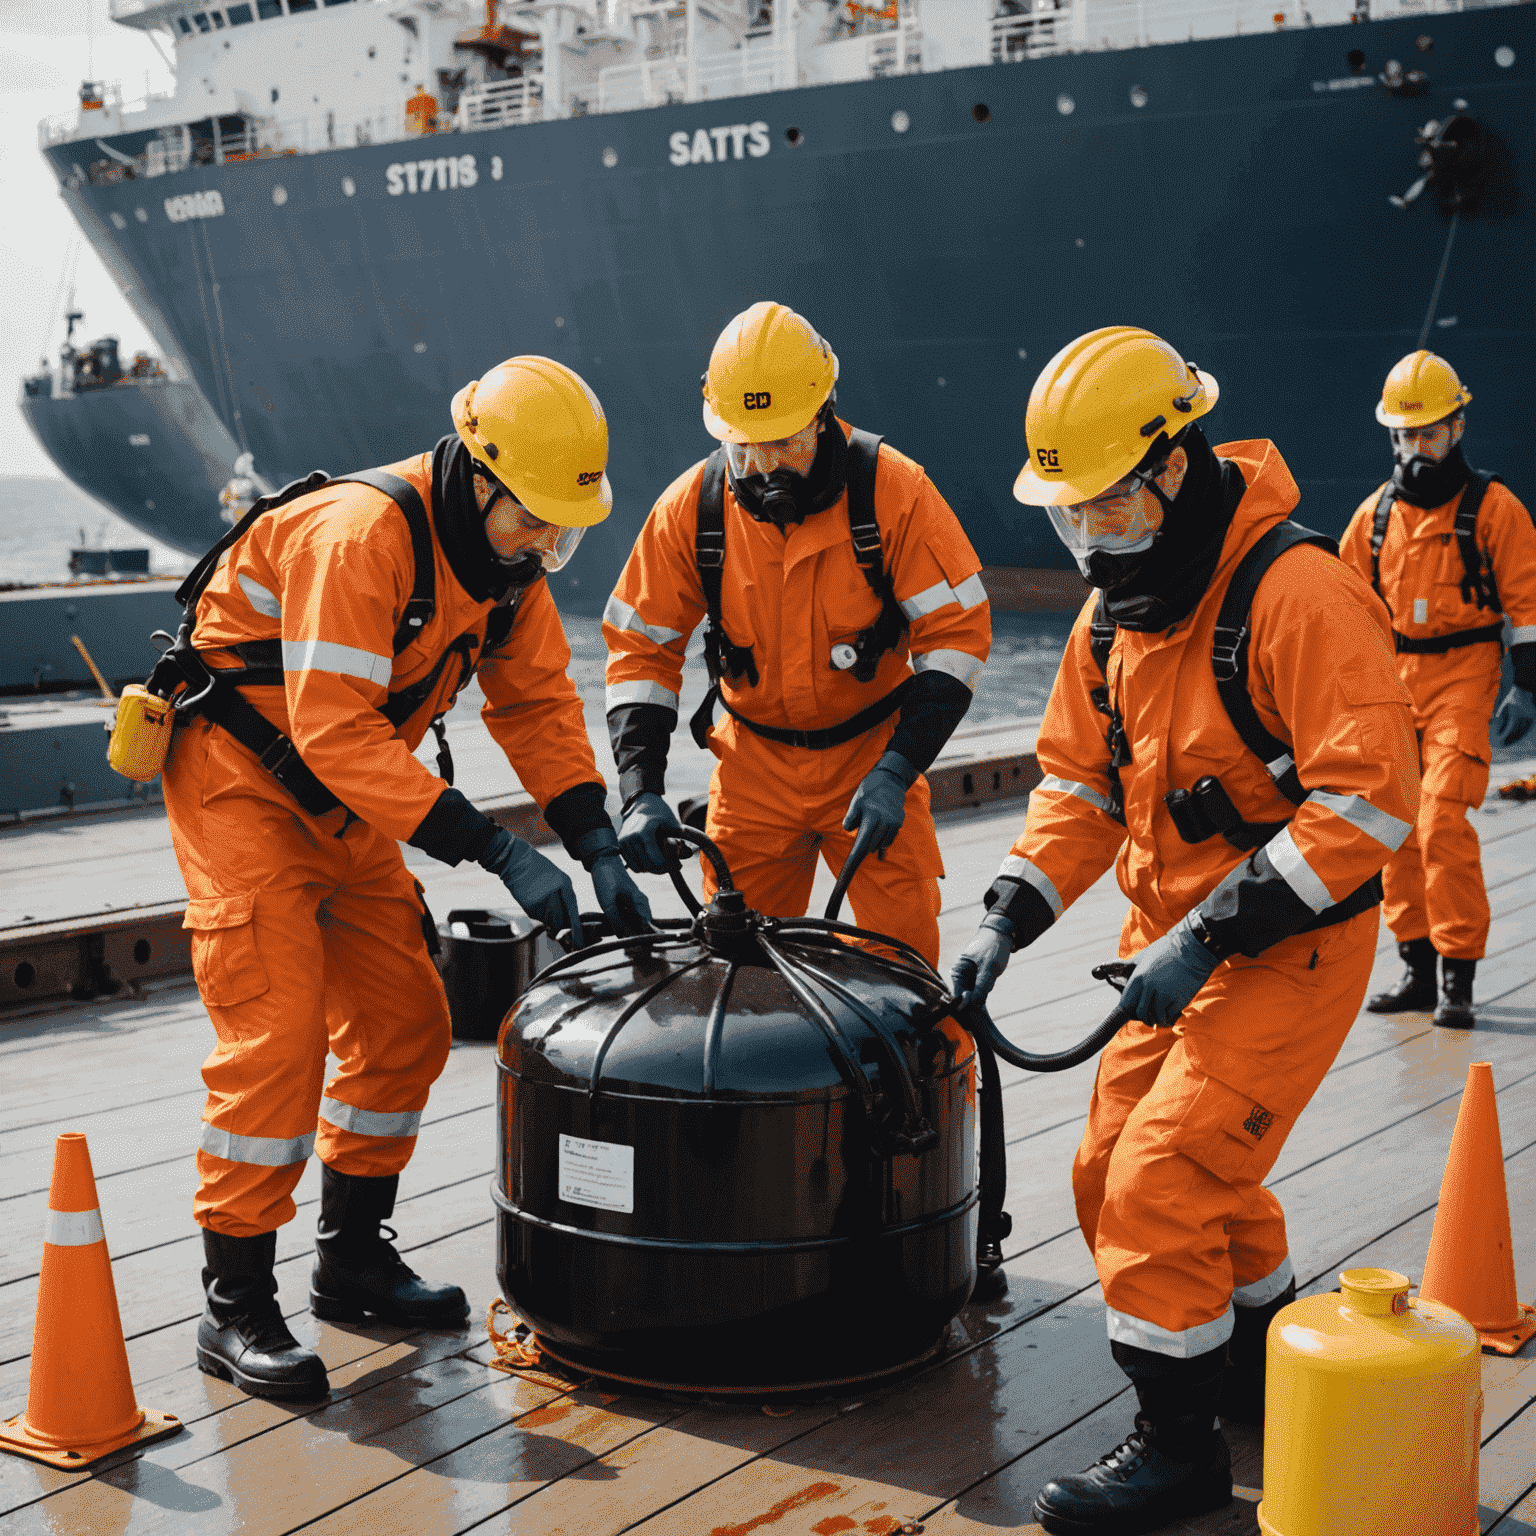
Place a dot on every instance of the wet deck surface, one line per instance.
(422, 1436)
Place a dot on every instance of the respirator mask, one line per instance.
(515, 534)
(787, 480)
(1110, 536)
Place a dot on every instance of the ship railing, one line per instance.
(502, 103)
(898, 51)
(62, 127)
(1028, 29)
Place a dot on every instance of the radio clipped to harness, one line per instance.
(141, 734)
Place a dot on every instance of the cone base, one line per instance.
(15, 1438)
(1509, 1341)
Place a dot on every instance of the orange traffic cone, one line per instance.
(1471, 1263)
(80, 1402)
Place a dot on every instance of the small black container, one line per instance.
(740, 1156)
(487, 960)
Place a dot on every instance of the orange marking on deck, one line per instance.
(807, 1495)
(832, 1524)
(541, 1416)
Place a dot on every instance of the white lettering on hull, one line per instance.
(447, 173)
(734, 141)
(194, 205)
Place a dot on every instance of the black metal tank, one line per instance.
(737, 1153)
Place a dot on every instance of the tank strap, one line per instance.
(1438, 645)
(1478, 585)
(1379, 520)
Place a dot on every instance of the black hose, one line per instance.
(979, 1022)
(690, 837)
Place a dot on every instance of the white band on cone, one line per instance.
(73, 1229)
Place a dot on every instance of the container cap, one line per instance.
(1376, 1292)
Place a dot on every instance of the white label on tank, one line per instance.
(597, 1173)
(1421, 610)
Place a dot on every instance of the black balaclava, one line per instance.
(1423, 483)
(1155, 590)
(460, 527)
(784, 497)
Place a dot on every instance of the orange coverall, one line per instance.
(792, 595)
(307, 933)
(1186, 1122)
(1434, 882)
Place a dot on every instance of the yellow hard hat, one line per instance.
(1421, 390)
(537, 427)
(1098, 406)
(768, 376)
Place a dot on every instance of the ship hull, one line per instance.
(1242, 212)
(152, 451)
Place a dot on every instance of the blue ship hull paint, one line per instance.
(1242, 212)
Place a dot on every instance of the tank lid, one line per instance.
(1375, 1292)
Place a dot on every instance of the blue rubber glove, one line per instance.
(539, 887)
(639, 836)
(1169, 971)
(879, 804)
(983, 960)
(622, 901)
(1515, 715)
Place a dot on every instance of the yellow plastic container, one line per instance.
(141, 734)
(1372, 1411)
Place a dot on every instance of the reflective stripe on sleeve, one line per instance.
(370, 1122)
(72, 1229)
(969, 594)
(260, 599)
(328, 656)
(1296, 872)
(1015, 867)
(1050, 784)
(622, 616)
(640, 693)
(959, 664)
(1261, 1292)
(1522, 634)
(1373, 821)
(1184, 1344)
(261, 1151)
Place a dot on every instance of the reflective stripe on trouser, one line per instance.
(1186, 1123)
(1434, 882)
(774, 809)
(302, 943)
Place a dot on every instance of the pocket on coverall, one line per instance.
(225, 962)
(1222, 1130)
(1456, 766)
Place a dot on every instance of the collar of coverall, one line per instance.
(1423, 484)
(816, 491)
(1178, 568)
(460, 526)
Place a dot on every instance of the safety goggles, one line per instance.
(795, 454)
(1119, 521)
(514, 531)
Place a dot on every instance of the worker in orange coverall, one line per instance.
(846, 631)
(1411, 538)
(1250, 966)
(333, 628)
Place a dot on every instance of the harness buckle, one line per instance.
(1226, 646)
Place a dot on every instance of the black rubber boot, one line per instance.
(1416, 990)
(1242, 1386)
(358, 1272)
(1454, 1010)
(1175, 1462)
(242, 1336)
(991, 1282)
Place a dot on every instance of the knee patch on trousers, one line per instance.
(226, 964)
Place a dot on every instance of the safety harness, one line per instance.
(1206, 810)
(1478, 585)
(725, 659)
(214, 692)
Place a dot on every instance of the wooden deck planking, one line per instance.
(445, 1467)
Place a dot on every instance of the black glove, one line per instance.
(622, 901)
(646, 819)
(539, 887)
(879, 804)
(983, 960)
